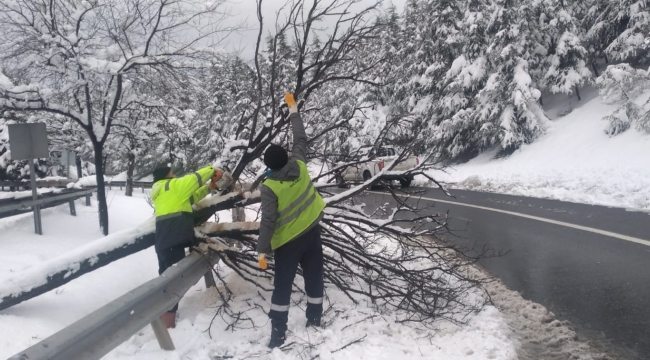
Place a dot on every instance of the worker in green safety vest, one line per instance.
(173, 199)
(291, 211)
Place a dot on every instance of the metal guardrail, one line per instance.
(136, 185)
(21, 206)
(100, 332)
(26, 185)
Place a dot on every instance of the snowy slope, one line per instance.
(573, 161)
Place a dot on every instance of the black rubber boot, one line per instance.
(313, 322)
(277, 338)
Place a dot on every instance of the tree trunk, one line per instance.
(80, 173)
(541, 101)
(129, 174)
(593, 66)
(578, 92)
(101, 189)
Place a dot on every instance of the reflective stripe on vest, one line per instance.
(299, 205)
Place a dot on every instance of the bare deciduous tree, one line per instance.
(78, 58)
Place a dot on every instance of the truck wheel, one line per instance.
(340, 182)
(367, 176)
(406, 182)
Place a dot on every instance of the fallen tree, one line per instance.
(393, 255)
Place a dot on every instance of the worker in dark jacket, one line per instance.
(291, 212)
(173, 199)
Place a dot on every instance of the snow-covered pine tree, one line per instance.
(507, 111)
(620, 84)
(619, 30)
(565, 68)
(462, 82)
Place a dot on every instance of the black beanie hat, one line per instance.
(275, 157)
(161, 173)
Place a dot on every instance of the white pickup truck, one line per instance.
(368, 161)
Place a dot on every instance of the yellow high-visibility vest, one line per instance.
(299, 205)
(173, 197)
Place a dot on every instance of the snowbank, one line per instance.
(86, 181)
(534, 326)
(27, 193)
(32, 277)
(574, 161)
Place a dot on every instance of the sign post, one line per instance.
(68, 160)
(29, 142)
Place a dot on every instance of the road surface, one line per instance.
(588, 264)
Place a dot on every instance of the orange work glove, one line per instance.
(291, 102)
(261, 260)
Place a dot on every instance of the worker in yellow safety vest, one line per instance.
(173, 199)
(291, 211)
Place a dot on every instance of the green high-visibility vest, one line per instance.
(299, 205)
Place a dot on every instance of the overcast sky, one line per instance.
(245, 10)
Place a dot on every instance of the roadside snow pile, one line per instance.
(540, 334)
(350, 332)
(69, 262)
(573, 161)
(85, 182)
(27, 193)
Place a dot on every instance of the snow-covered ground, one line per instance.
(574, 161)
(25, 324)
(487, 336)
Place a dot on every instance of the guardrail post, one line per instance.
(87, 199)
(73, 211)
(209, 280)
(162, 335)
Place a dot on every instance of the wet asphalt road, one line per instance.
(598, 282)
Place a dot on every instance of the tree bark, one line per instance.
(129, 174)
(80, 173)
(101, 189)
(593, 66)
(578, 93)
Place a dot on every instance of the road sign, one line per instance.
(29, 142)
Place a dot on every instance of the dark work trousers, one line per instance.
(169, 257)
(307, 251)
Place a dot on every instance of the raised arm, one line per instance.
(269, 218)
(299, 149)
(189, 184)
